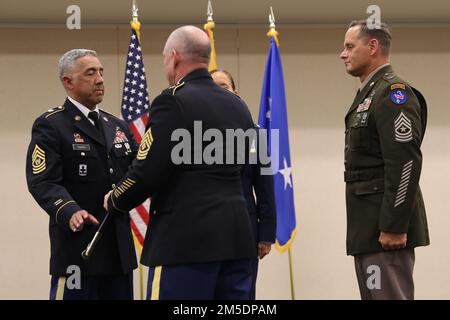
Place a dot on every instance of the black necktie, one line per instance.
(93, 115)
(356, 95)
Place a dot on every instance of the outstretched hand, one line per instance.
(79, 219)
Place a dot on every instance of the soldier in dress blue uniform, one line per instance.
(385, 126)
(78, 153)
(258, 191)
(199, 244)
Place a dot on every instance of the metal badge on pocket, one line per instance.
(364, 118)
(82, 170)
(361, 119)
(77, 138)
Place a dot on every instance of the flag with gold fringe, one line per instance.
(273, 115)
(134, 110)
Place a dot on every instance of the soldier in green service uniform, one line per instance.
(385, 126)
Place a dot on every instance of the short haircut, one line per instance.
(382, 34)
(197, 52)
(187, 42)
(68, 59)
(230, 77)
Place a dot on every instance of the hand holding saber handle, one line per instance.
(90, 247)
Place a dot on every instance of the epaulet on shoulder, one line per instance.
(174, 88)
(394, 81)
(392, 78)
(53, 111)
(389, 76)
(109, 113)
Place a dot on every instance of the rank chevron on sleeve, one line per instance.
(403, 128)
(145, 145)
(38, 160)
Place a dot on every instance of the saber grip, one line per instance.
(90, 248)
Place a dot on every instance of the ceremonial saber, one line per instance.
(90, 247)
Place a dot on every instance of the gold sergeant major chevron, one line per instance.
(38, 160)
(145, 145)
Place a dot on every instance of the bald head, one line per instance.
(191, 43)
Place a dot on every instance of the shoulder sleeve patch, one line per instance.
(399, 96)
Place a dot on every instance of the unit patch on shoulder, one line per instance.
(145, 145)
(399, 96)
(38, 160)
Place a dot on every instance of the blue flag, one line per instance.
(273, 115)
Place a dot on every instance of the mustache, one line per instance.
(99, 88)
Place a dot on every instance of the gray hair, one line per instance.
(68, 59)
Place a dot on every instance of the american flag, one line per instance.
(135, 106)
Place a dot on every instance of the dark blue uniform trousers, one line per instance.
(93, 288)
(254, 266)
(223, 280)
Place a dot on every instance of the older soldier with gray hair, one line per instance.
(76, 154)
(385, 126)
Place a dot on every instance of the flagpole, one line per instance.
(135, 23)
(140, 268)
(291, 275)
(209, 27)
(141, 279)
(274, 34)
(134, 11)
